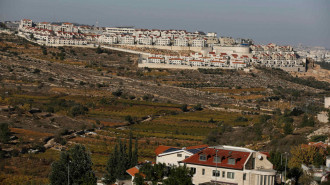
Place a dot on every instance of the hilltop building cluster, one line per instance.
(210, 51)
(48, 33)
(270, 55)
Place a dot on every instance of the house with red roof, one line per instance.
(171, 156)
(230, 165)
(155, 60)
(135, 170)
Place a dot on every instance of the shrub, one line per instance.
(319, 138)
(4, 133)
(241, 119)
(36, 71)
(78, 110)
(198, 107)
(184, 107)
(60, 140)
(117, 93)
(288, 128)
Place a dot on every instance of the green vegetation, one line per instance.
(156, 173)
(4, 133)
(120, 160)
(77, 164)
(180, 175)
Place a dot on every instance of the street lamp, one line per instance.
(286, 160)
(69, 172)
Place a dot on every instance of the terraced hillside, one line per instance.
(52, 98)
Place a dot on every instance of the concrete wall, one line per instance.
(125, 50)
(263, 162)
(327, 102)
(175, 48)
(171, 66)
(294, 69)
(322, 117)
(232, 50)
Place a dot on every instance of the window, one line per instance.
(179, 155)
(216, 173)
(202, 157)
(217, 159)
(244, 176)
(231, 161)
(253, 162)
(193, 170)
(203, 171)
(223, 174)
(230, 175)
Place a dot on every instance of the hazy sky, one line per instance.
(278, 21)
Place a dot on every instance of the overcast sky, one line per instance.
(278, 21)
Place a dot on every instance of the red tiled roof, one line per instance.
(197, 146)
(160, 149)
(196, 61)
(217, 61)
(316, 144)
(238, 63)
(133, 171)
(240, 158)
(154, 58)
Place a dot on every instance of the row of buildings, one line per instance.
(225, 165)
(286, 60)
(226, 52)
(127, 35)
(211, 59)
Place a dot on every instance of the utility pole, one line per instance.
(68, 173)
(281, 170)
(286, 160)
(216, 166)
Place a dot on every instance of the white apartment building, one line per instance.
(155, 60)
(162, 41)
(176, 61)
(120, 30)
(108, 39)
(127, 39)
(196, 63)
(237, 64)
(181, 41)
(198, 42)
(44, 25)
(219, 63)
(67, 27)
(144, 40)
(25, 23)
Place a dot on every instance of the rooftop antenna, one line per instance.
(97, 23)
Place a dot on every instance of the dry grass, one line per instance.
(233, 91)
